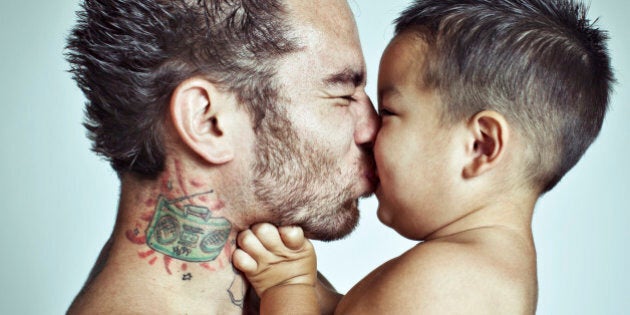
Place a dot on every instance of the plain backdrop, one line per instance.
(58, 199)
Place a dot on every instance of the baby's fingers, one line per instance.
(250, 244)
(269, 237)
(292, 237)
(244, 262)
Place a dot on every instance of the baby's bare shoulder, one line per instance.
(453, 276)
(438, 261)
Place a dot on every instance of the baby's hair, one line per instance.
(541, 63)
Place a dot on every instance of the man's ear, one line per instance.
(489, 135)
(197, 109)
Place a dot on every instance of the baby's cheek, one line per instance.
(384, 215)
(380, 155)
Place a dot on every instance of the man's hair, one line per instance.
(541, 63)
(128, 56)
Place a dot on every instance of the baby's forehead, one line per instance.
(411, 45)
(406, 59)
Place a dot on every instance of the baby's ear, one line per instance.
(489, 135)
(198, 111)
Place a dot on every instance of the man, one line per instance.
(217, 115)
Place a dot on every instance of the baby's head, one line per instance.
(538, 69)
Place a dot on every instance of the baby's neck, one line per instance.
(509, 214)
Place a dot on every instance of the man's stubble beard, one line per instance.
(297, 183)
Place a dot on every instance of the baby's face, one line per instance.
(413, 150)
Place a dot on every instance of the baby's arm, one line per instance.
(281, 266)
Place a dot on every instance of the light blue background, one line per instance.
(59, 199)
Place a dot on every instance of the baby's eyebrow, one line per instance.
(389, 90)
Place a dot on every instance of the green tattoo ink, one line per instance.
(189, 234)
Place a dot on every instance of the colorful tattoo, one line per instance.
(179, 229)
(187, 230)
(188, 234)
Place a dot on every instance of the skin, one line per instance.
(174, 237)
(263, 254)
(464, 200)
(334, 125)
(418, 157)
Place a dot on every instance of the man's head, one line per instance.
(540, 63)
(129, 56)
(295, 67)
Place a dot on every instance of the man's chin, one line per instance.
(334, 228)
(328, 236)
(367, 194)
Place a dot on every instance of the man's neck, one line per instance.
(171, 250)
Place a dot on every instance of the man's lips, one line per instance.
(372, 176)
(370, 173)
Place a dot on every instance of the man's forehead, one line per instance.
(333, 17)
(313, 10)
(330, 48)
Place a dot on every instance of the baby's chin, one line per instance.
(384, 215)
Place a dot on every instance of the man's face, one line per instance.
(314, 155)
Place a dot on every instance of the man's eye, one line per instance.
(346, 100)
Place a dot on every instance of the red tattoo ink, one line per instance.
(184, 267)
(206, 266)
(150, 202)
(146, 254)
(136, 239)
(178, 172)
(152, 261)
(148, 216)
(217, 205)
(167, 263)
(196, 183)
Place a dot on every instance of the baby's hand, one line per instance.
(272, 257)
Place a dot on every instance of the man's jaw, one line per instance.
(345, 224)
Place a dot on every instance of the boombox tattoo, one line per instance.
(184, 231)
(189, 233)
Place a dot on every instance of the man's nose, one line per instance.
(367, 123)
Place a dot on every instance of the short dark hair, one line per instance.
(541, 63)
(128, 56)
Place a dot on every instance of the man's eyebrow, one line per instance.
(347, 76)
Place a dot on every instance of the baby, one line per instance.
(485, 105)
